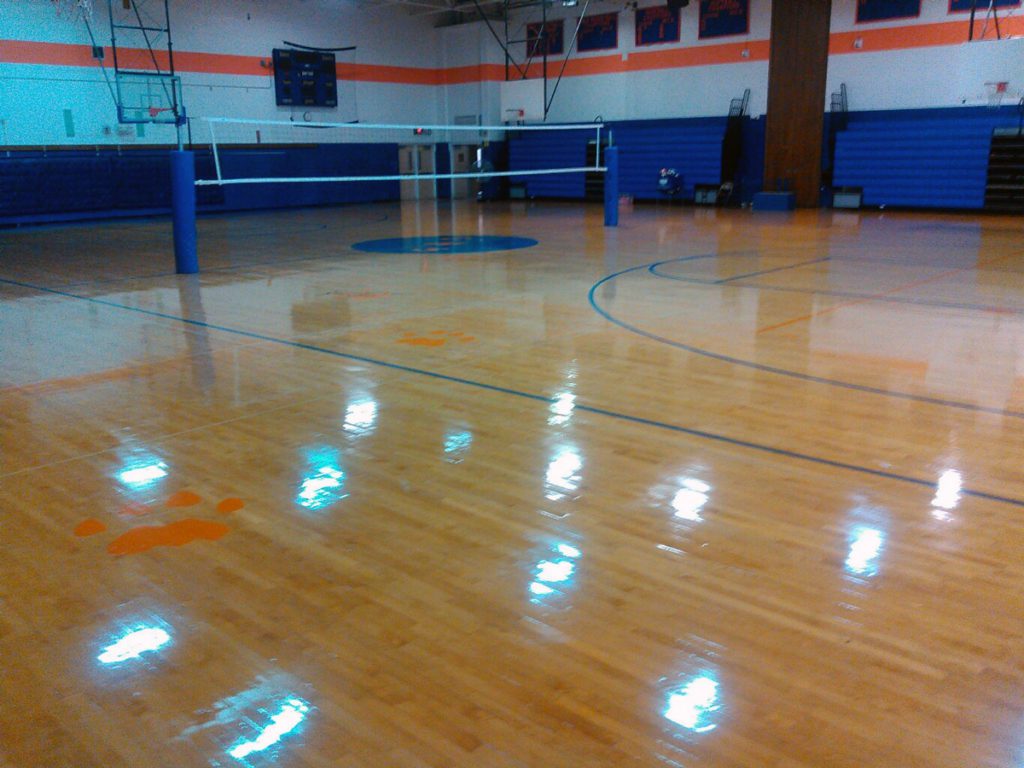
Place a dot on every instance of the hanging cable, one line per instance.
(103, 67)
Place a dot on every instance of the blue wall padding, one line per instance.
(935, 158)
(918, 158)
(37, 186)
(751, 174)
(443, 164)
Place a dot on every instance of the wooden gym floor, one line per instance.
(712, 489)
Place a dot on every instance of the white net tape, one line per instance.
(225, 134)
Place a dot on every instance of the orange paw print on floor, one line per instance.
(434, 338)
(143, 538)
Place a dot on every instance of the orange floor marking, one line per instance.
(424, 342)
(227, 506)
(89, 527)
(101, 377)
(435, 339)
(872, 297)
(183, 499)
(177, 534)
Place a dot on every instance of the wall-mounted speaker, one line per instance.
(675, 5)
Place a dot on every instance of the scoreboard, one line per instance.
(305, 78)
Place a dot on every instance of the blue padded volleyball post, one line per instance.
(183, 212)
(611, 187)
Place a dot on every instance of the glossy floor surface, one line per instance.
(711, 489)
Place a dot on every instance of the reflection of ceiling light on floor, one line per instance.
(570, 3)
(947, 491)
(557, 571)
(141, 476)
(360, 417)
(690, 706)
(134, 644)
(560, 571)
(690, 499)
(322, 488)
(284, 722)
(568, 550)
(562, 407)
(864, 550)
(456, 445)
(561, 476)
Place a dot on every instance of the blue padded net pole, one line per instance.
(611, 187)
(183, 211)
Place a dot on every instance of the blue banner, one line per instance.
(541, 40)
(598, 33)
(721, 18)
(883, 10)
(960, 6)
(657, 24)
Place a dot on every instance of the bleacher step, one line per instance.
(1004, 188)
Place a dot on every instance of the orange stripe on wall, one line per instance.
(56, 54)
(873, 40)
(915, 36)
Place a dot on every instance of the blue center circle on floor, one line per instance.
(445, 244)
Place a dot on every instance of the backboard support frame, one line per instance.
(146, 87)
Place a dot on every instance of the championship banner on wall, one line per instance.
(598, 33)
(542, 40)
(721, 18)
(883, 10)
(960, 6)
(657, 24)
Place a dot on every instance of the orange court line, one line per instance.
(99, 377)
(883, 294)
(943, 33)
(917, 368)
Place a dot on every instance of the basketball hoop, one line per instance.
(517, 116)
(996, 91)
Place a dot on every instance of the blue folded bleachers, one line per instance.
(537, 150)
(692, 146)
(919, 158)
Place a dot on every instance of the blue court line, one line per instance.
(591, 296)
(691, 432)
(654, 270)
(769, 271)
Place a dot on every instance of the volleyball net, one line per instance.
(365, 152)
(382, 158)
